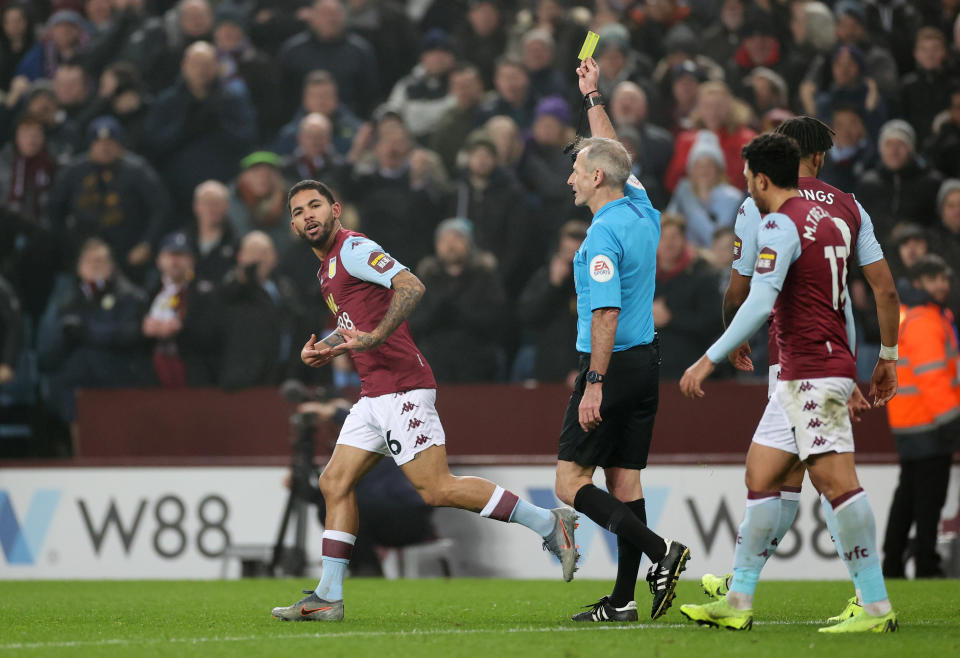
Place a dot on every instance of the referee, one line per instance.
(609, 420)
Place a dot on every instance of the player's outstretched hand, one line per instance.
(588, 75)
(740, 358)
(694, 376)
(883, 384)
(857, 404)
(357, 341)
(317, 357)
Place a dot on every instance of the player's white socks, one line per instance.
(506, 506)
(336, 550)
(754, 539)
(830, 519)
(789, 504)
(857, 532)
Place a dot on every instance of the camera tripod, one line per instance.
(292, 560)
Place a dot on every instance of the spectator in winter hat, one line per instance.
(703, 196)
(422, 96)
(925, 92)
(544, 165)
(853, 151)
(948, 231)
(902, 187)
(538, 49)
(463, 280)
(851, 30)
(64, 36)
(850, 86)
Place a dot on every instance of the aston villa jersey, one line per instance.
(355, 279)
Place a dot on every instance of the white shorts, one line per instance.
(817, 412)
(774, 429)
(397, 424)
(773, 375)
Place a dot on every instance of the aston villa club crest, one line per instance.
(332, 269)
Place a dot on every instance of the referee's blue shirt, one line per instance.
(616, 267)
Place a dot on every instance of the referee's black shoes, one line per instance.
(662, 577)
(603, 610)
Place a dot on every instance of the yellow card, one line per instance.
(589, 45)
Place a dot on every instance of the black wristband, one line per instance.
(593, 101)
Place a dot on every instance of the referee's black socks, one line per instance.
(614, 515)
(628, 560)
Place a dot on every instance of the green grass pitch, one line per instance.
(459, 617)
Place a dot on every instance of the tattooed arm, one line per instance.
(407, 291)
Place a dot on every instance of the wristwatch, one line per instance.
(594, 377)
(593, 101)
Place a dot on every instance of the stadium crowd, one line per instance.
(146, 149)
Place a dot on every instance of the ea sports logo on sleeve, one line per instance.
(601, 269)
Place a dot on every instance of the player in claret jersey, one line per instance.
(372, 295)
(800, 275)
(814, 138)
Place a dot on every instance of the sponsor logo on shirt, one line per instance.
(332, 305)
(601, 269)
(737, 247)
(332, 268)
(380, 261)
(766, 260)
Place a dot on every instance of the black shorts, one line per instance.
(631, 392)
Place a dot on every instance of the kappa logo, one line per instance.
(414, 423)
(22, 543)
(810, 405)
(421, 440)
(819, 441)
(766, 553)
(814, 422)
(601, 268)
(408, 406)
(741, 211)
(771, 223)
(806, 386)
(766, 260)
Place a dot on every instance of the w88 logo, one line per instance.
(344, 322)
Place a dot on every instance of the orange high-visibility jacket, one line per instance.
(929, 391)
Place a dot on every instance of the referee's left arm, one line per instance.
(603, 331)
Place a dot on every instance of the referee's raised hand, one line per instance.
(588, 75)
